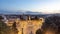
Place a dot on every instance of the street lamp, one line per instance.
(23, 28)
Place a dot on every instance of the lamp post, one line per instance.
(22, 31)
(23, 28)
(31, 32)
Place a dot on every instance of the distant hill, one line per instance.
(20, 12)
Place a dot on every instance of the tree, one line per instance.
(14, 28)
(39, 31)
(51, 25)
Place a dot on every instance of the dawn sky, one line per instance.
(32, 5)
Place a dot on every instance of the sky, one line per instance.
(31, 5)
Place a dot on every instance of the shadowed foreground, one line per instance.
(4, 29)
(50, 26)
